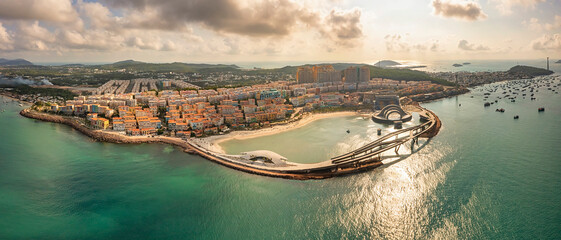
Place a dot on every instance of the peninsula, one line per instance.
(197, 117)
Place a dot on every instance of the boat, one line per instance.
(348, 131)
(516, 117)
(487, 104)
(541, 109)
(21, 105)
(500, 110)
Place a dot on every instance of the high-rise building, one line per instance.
(354, 74)
(364, 74)
(351, 74)
(305, 75)
(326, 73)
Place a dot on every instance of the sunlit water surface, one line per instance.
(485, 176)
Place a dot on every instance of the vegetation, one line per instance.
(168, 67)
(530, 71)
(54, 92)
(405, 74)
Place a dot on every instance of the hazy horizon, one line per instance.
(278, 30)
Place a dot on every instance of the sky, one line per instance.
(232, 31)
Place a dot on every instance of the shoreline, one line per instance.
(213, 142)
(187, 147)
(14, 99)
(313, 171)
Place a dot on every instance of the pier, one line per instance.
(364, 158)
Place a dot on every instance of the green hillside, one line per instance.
(178, 67)
(405, 74)
(530, 71)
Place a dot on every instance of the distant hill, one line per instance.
(558, 61)
(530, 71)
(14, 62)
(375, 72)
(168, 67)
(386, 63)
(73, 65)
(405, 74)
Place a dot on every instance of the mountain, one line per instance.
(558, 61)
(375, 72)
(168, 67)
(386, 63)
(405, 74)
(530, 71)
(14, 62)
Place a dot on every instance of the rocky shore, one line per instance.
(103, 136)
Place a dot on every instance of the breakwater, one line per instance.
(321, 170)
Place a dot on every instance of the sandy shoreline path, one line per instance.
(213, 142)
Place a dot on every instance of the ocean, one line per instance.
(484, 176)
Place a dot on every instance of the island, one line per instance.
(558, 61)
(457, 65)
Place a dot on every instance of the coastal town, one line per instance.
(153, 107)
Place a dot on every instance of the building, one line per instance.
(269, 94)
(354, 74)
(326, 73)
(384, 100)
(305, 75)
(364, 74)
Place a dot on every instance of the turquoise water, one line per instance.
(319, 141)
(485, 176)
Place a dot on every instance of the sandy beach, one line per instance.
(213, 142)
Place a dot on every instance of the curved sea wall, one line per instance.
(328, 172)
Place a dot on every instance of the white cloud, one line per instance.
(466, 46)
(536, 25)
(6, 40)
(463, 10)
(399, 43)
(505, 6)
(56, 11)
(547, 42)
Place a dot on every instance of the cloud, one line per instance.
(435, 46)
(547, 42)
(56, 11)
(395, 43)
(259, 18)
(534, 24)
(399, 43)
(464, 10)
(466, 46)
(98, 16)
(32, 36)
(6, 39)
(343, 27)
(255, 26)
(505, 6)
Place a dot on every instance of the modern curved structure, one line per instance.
(268, 163)
(366, 157)
(383, 115)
